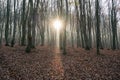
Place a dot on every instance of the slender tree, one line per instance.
(34, 22)
(7, 24)
(66, 19)
(14, 29)
(114, 25)
(97, 14)
(23, 21)
(29, 44)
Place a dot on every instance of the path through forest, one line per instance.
(57, 65)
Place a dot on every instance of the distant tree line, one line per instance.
(87, 23)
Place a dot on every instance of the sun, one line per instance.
(57, 23)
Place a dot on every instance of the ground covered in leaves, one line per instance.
(45, 63)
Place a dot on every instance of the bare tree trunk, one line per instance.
(97, 13)
(66, 19)
(29, 45)
(14, 29)
(23, 24)
(7, 24)
(34, 23)
(114, 25)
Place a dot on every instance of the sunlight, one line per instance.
(57, 64)
(57, 24)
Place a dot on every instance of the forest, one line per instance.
(59, 39)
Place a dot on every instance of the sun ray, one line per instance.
(57, 23)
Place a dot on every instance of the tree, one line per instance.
(14, 29)
(97, 13)
(66, 19)
(29, 44)
(77, 24)
(114, 25)
(23, 21)
(35, 10)
(7, 23)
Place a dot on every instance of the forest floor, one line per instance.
(45, 63)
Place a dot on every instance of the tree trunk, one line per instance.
(97, 26)
(14, 29)
(23, 24)
(7, 24)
